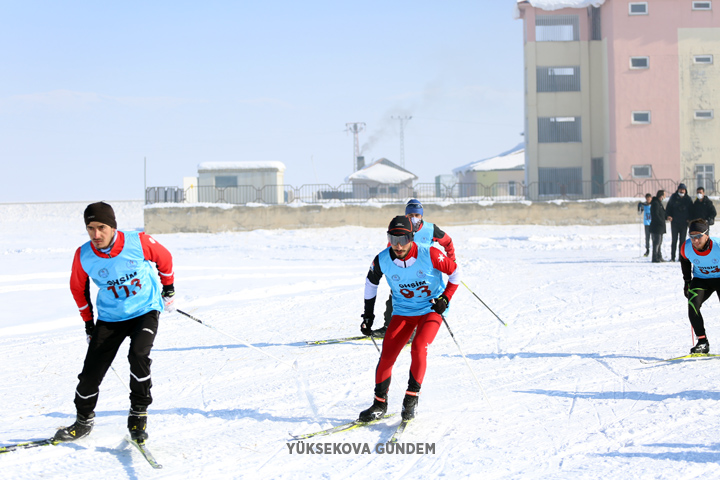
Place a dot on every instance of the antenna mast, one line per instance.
(403, 121)
(355, 128)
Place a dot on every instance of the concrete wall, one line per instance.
(208, 219)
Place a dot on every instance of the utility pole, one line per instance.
(355, 128)
(403, 121)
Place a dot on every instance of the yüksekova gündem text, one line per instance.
(303, 448)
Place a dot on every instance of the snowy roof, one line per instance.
(382, 171)
(513, 159)
(205, 166)
(557, 4)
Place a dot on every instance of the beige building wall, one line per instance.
(699, 90)
(588, 103)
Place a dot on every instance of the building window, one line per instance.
(641, 117)
(705, 176)
(638, 8)
(226, 181)
(704, 114)
(595, 24)
(560, 181)
(557, 28)
(642, 171)
(597, 175)
(559, 129)
(558, 79)
(703, 59)
(639, 62)
(702, 5)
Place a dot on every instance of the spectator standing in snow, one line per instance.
(657, 225)
(699, 260)
(703, 207)
(644, 210)
(678, 209)
(425, 234)
(129, 302)
(414, 273)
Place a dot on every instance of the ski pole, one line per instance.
(291, 365)
(375, 343)
(119, 378)
(466, 362)
(484, 304)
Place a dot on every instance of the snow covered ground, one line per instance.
(569, 396)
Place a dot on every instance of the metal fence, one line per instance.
(457, 193)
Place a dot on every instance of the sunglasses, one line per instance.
(400, 239)
(697, 235)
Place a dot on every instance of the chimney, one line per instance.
(360, 162)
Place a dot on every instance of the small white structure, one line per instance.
(502, 174)
(382, 179)
(241, 182)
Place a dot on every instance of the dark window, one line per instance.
(638, 8)
(226, 181)
(559, 129)
(560, 181)
(597, 176)
(595, 30)
(558, 79)
(639, 62)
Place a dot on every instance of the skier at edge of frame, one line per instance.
(701, 275)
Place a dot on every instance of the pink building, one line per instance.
(620, 90)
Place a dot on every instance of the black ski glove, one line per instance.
(686, 290)
(440, 304)
(89, 327)
(367, 323)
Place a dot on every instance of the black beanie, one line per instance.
(100, 212)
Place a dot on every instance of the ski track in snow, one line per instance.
(570, 397)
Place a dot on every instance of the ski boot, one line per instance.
(409, 405)
(703, 346)
(137, 423)
(81, 428)
(376, 411)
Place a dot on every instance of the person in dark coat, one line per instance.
(657, 224)
(679, 208)
(703, 207)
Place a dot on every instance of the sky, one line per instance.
(99, 99)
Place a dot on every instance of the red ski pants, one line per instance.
(398, 333)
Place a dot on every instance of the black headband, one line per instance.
(699, 227)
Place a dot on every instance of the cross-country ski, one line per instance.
(690, 356)
(340, 428)
(144, 451)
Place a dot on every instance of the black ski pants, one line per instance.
(678, 232)
(106, 340)
(700, 290)
(657, 239)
